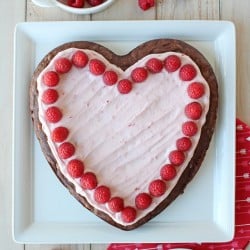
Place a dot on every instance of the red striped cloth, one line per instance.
(242, 204)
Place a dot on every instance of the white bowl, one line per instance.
(65, 7)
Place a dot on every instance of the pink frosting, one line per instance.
(123, 139)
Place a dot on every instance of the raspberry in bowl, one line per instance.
(83, 7)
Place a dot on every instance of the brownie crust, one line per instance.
(124, 61)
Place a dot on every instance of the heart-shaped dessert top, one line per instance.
(124, 134)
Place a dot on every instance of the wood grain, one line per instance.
(58, 247)
(188, 10)
(13, 11)
(240, 14)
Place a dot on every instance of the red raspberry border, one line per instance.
(122, 91)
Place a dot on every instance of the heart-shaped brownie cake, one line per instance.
(124, 133)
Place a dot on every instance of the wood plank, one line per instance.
(99, 246)
(58, 247)
(187, 10)
(13, 12)
(239, 13)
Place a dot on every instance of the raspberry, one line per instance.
(187, 72)
(95, 2)
(183, 144)
(176, 157)
(49, 96)
(110, 77)
(66, 150)
(102, 194)
(193, 110)
(62, 65)
(195, 90)
(146, 4)
(96, 67)
(154, 65)
(189, 128)
(116, 204)
(172, 63)
(75, 168)
(128, 214)
(157, 188)
(80, 59)
(168, 172)
(53, 114)
(50, 78)
(76, 3)
(143, 201)
(59, 134)
(124, 86)
(139, 74)
(88, 181)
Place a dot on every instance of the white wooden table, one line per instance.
(14, 11)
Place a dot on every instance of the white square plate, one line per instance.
(45, 212)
